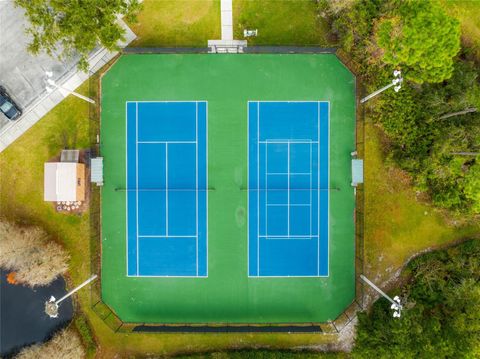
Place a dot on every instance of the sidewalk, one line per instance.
(227, 19)
(226, 44)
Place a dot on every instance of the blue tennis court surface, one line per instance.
(288, 179)
(166, 189)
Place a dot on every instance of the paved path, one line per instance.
(227, 44)
(227, 19)
(47, 101)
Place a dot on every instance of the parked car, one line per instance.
(7, 106)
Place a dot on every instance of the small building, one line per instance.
(64, 181)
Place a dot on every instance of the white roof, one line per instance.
(60, 181)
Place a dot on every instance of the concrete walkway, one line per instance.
(226, 44)
(47, 101)
(227, 19)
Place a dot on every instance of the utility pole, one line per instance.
(397, 82)
(51, 85)
(396, 303)
(51, 306)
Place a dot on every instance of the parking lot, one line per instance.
(21, 73)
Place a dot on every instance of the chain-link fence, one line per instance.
(115, 323)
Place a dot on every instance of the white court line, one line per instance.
(328, 195)
(287, 101)
(136, 174)
(248, 187)
(126, 181)
(288, 188)
(258, 186)
(167, 142)
(291, 173)
(266, 188)
(281, 141)
(168, 101)
(318, 191)
(168, 276)
(289, 236)
(196, 184)
(164, 236)
(206, 185)
(291, 205)
(166, 189)
(311, 209)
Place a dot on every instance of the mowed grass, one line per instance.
(280, 22)
(21, 180)
(397, 224)
(468, 13)
(21, 200)
(165, 23)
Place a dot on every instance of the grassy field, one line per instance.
(177, 23)
(397, 225)
(280, 22)
(468, 13)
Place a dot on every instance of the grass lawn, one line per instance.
(280, 22)
(468, 13)
(177, 23)
(396, 224)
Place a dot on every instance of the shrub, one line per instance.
(65, 344)
(28, 251)
(421, 38)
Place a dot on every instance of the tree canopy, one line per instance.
(442, 317)
(420, 38)
(76, 26)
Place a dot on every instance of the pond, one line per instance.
(22, 314)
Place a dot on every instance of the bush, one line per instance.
(65, 344)
(404, 121)
(421, 38)
(28, 251)
(442, 319)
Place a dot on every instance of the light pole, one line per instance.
(51, 306)
(396, 302)
(51, 85)
(397, 82)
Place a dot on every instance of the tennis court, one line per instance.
(288, 188)
(166, 188)
(227, 193)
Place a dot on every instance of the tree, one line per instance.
(442, 315)
(420, 38)
(76, 26)
(472, 186)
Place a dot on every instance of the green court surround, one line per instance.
(228, 82)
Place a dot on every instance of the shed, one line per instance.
(64, 181)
